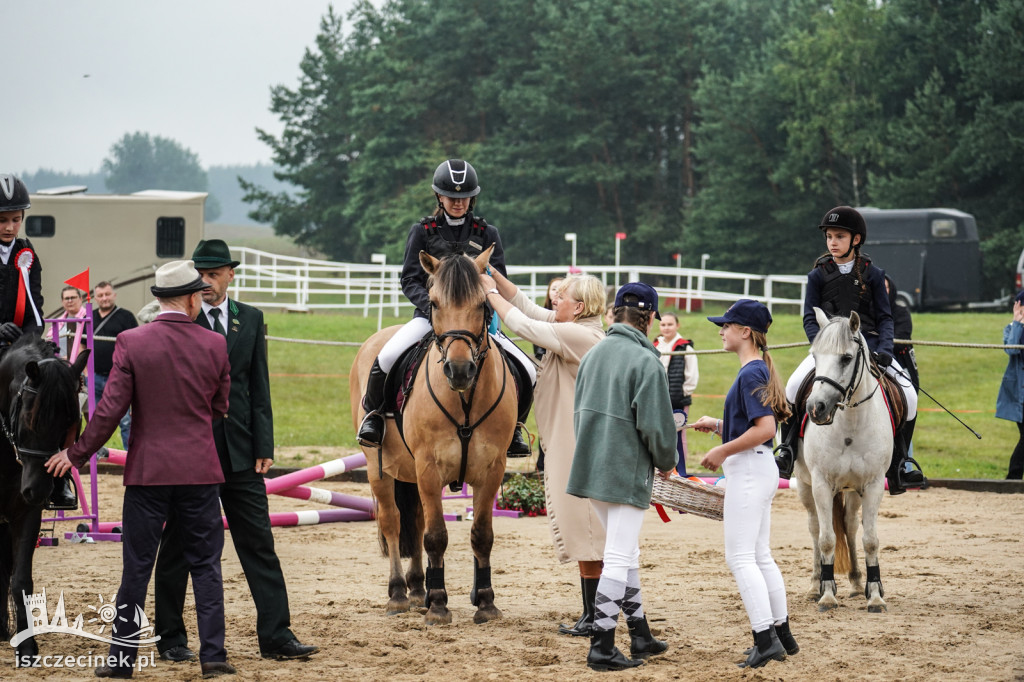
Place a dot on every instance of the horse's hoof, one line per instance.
(397, 606)
(813, 594)
(486, 613)
(877, 608)
(822, 608)
(437, 617)
(418, 600)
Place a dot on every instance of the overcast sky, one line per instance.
(80, 74)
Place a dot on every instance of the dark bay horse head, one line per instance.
(40, 412)
(458, 314)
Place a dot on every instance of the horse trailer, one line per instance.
(120, 238)
(932, 254)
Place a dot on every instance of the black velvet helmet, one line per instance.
(13, 193)
(456, 178)
(846, 218)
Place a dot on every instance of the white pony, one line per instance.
(841, 463)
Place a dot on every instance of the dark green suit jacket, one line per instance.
(248, 432)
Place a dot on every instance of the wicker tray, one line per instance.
(689, 496)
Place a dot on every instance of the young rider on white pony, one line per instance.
(843, 281)
(453, 228)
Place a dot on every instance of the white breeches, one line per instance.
(895, 370)
(418, 327)
(622, 524)
(752, 478)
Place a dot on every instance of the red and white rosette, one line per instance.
(24, 261)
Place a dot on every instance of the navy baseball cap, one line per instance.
(747, 313)
(647, 297)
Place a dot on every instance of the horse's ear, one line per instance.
(854, 322)
(78, 366)
(428, 262)
(820, 316)
(483, 259)
(32, 370)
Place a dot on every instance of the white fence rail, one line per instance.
(303, 284)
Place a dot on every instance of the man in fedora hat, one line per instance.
(175, 377)
(245, 446)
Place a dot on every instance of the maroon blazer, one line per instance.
(175, 376)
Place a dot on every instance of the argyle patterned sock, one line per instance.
(608, 602)
(632, 604)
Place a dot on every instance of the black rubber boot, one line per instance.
(785, 453)
(371, 431)
(64, 496)
(767, 648)
(604, 655)
(585, 625)
(641, 642)
(786, 637)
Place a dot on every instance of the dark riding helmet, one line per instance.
(846, 218)
(456, 178)
(13, 193)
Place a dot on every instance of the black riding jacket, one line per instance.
(434, 235)
(839, 294)
(10, 277)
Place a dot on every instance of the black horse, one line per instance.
(39, 413)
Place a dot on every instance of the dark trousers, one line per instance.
(100, 381)
(1016, 471)
(244, 497)
(146, 508)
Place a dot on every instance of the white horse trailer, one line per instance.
(121, 238)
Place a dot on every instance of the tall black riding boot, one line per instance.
(899, 479)
(768, 648)
(641, 642)
(785, 453)
(65, 495)
(371, 431)
(520, 447)
(585, 625)
(604, 655)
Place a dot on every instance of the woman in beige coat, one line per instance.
(567, 332)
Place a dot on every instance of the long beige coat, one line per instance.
(575, 529)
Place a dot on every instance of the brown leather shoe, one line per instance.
(217, 668)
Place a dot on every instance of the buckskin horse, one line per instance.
(842, 461)
(455, 425)
(40, 413)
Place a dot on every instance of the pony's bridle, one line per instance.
(478, 343)
(11, 424)
(859, 365)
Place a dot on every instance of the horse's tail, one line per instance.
(842, 552)
(407, 500)
(7, 606)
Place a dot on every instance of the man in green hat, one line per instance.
(245, 444)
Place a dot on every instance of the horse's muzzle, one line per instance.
(821, 415)
(460, 374)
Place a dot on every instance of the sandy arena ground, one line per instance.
(951, 567)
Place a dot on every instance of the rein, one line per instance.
(847, 391)
(479, 346)
(10, 425)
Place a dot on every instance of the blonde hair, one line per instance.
(586, 289)
(772, 394)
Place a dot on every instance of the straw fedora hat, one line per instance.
(177, 278)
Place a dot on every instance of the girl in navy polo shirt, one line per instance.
(754, 402)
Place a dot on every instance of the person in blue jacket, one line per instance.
(1010, 401)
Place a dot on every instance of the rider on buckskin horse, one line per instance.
(21, 293)
(843, 281)
(453, 228)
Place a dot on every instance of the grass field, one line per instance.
(311, 404)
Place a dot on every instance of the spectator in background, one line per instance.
(539, 351)
(108, 321)
(1010, 401)
(682, 379)
(71, 299)
(609, 315)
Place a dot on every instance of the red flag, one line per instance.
(80, 281)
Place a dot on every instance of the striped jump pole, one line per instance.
(314, 517)
(315, 473)
(322, 496)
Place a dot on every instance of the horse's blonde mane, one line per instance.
(456, 282)
(834, 337)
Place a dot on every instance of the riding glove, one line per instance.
(881, 358)
(9, 332)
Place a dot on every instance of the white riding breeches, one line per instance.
(894, 370)
(622, 523)
(751, 479)
(418, 327)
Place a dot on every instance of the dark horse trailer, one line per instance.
(932, 254)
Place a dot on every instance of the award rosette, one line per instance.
(24, 260)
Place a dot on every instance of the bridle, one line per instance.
(11, 424)
(479, 345)
(859, 366)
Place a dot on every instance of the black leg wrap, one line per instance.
(874, 575)
(827, 576)
(481, 581)
(435, 578)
